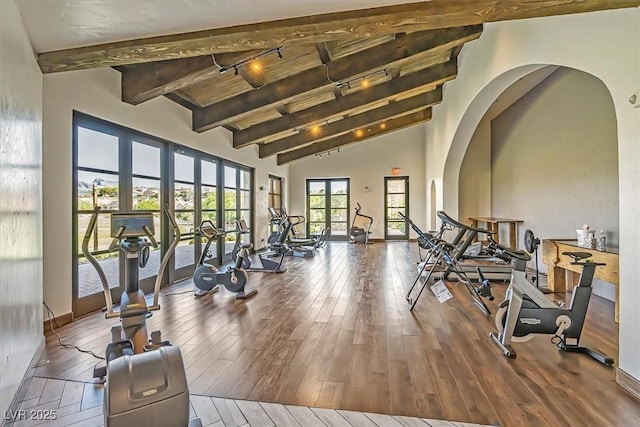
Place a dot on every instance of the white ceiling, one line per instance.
(63, 24)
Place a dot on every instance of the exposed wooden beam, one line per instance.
(350, 138)
(348, 124)
(328, 74)
(435, 76)
(408, 17)
(143, 82)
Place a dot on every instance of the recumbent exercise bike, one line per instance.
(526, 310)
(207, 277)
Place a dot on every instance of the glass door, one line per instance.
(328, 207)
(146, 195)
(396, 196)
(98, 153)
(208, 204)
(237, 204)
(184, 208)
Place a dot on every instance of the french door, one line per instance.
(396, 199)
(328, 207)
(122, 170)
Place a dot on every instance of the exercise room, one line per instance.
(279, 213)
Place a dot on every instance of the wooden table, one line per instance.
(561, 271)
(493, 224)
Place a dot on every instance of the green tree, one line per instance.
(209, 201)
(108, 191)
(147, 205)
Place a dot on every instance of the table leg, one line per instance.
(556, 279)
(616, 312)
(494, 227)
(513, 236)
(474, 224)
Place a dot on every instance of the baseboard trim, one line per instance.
(629, 383)
(57, 321)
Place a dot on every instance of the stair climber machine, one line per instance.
(527, 311)
(360, 234)
(146, 383)
(268, 265)
(207, 277)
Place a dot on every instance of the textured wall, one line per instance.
(20, 203)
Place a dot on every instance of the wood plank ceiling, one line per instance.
(307, 86)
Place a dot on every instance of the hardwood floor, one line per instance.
(335, 332)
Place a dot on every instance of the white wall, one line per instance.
(605, 44)
(97, 92)
(555, 161)
(20, 203)
(366, 164)
(475, 175)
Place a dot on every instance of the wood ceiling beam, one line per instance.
(436, 75)
(408, 17)
(329, 74)
(350, 138)
(349, 124)
(142, 82)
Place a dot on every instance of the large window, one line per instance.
(120, 169)
(396, 196)
(328, 207)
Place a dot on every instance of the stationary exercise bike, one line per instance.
(526, 310)
(207, 277)
(360, 234)
(146, 380)
(268, 265)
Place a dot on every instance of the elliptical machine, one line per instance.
(268, 265)
(146, 379)
(359, 234)
(207, 277)
(526, 310)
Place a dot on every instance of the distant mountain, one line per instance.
(98, 182)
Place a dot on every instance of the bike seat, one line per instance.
(246, 246)
(577, 256)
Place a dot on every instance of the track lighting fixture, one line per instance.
(365, 79)
(237, 65)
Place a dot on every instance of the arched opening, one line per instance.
(546, 152)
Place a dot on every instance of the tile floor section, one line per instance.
(73, 403)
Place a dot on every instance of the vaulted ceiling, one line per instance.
(304, 86)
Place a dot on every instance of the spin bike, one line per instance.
(359, 234)
(207, 277)
(526, 310)
(268, 265)
(146, 380)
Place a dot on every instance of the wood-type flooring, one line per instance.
(334, 331)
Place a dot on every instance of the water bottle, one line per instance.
(601, 243)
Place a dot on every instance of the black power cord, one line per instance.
(53, 321)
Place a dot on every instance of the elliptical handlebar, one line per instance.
(167, 256)
(94, 262)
